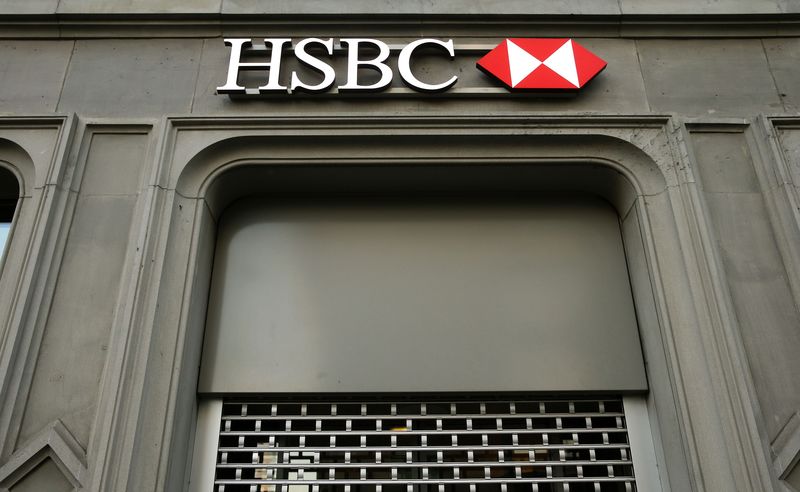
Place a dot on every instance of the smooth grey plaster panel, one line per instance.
(131, 77)
(724, 163)
(28, 7)
(74, 346)
(139, 6)
(764, 306)
(31, 75)
(618, 89)
(86, 291)
(708, 77)
(46, 477)
(604, 7)
(421, 296)
(767, 315)
(115, 164)
(784, 61)
(700, 7)
(73, 352)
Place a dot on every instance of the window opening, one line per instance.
(9, 194)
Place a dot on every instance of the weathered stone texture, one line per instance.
(784, 63)
(708, 77)
(762, 299)
(131, 77)
(31, 75)
(45, 477)
(67, 378)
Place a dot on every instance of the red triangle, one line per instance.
(541, 48)
(587, 63)
(495, 63)
(544, 78)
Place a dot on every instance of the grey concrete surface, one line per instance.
(114, 166)
(767, 315)
(45, 477)
(790, 146)
(662, 401)
(708, 78)
(492, 7)
(32, 74)
(784, 62)
(28, 7)
(127, 78)
(724, 163)
(655, 7)
(515, 7)
(66, 381)
(138, 6)
(789, 7)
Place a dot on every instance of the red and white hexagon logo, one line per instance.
(541, 64)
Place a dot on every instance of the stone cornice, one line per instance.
(142, 25)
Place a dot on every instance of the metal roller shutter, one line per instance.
(510, 445)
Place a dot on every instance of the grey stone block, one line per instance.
(708, 77)
(790, 7)
(790, 145)
(784, 62)
(725, 164)
(28, 7)
(755, 272)
(31, 75)
(762, 300)
(700, 7)
(493, 7)
(131, 77)
(114, 164)
(139, 6)
(46, 476)
(74, 347)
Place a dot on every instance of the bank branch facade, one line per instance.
(388, 246)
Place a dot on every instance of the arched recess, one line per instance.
(22, 193)
(16, 161)
(629, 178)
(17, 174)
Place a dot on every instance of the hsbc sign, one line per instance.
(541, 63)
(520, 64)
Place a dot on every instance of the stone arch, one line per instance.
(15, 162)
(618, 170)
(636, 178)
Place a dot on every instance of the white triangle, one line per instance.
(520, 62)
(562, 62)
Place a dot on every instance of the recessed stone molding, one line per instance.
(54, 442)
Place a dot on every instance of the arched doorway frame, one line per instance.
(706, 438)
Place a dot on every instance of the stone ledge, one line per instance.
(215, 24)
